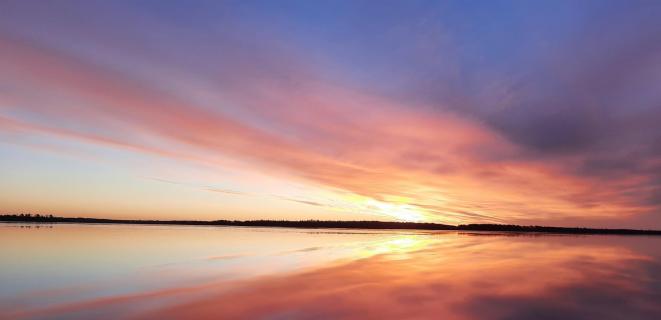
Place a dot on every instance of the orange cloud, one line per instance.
(440, 166)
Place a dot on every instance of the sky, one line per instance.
(523, 112)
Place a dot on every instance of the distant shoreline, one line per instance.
(319, 224)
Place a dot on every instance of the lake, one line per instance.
(76, 271)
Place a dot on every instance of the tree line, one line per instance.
(317, 224)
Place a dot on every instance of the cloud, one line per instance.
(567, 141)
(225, 191)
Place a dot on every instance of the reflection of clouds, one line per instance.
(461, 279)
(450, 276)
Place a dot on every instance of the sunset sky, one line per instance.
(523, 112)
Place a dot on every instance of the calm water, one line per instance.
(73, 271)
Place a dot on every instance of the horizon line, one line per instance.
(332, 224)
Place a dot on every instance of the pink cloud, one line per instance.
(452, 168)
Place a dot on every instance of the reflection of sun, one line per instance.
(395, 247)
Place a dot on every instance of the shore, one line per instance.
(318, 224)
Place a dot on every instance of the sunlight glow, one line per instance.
(402, 212)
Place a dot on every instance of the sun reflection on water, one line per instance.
(382, 274)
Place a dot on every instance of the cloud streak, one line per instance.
(561, 148)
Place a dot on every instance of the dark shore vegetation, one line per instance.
(315, 224)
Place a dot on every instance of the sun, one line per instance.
(399, 211)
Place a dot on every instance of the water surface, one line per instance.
(73, 271)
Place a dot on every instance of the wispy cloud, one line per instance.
(575, 138)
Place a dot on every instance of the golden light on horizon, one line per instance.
(402, 212)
